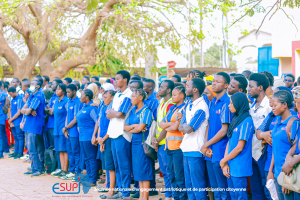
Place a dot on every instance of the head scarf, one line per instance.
(108, 86)
(241, 105)
(210, 89)
(94, 89)
(296, 92)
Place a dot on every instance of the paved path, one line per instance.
(15, 185)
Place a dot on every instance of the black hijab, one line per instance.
(241, 105)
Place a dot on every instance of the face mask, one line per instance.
(100, 96)
(32, 89)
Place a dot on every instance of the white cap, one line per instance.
(278, 83)
(108, 86)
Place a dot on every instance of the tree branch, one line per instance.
(245, 14)
(266, 16)
(34, 13)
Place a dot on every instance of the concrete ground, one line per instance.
(15, 185)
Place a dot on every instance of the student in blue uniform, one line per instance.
(293, 156)
(34, 111)
(4, 147)
(237, 161)
(71, 132)
(282, 102)
(16, 118)
(105, 143)
(194, 124)
(258, 84)
(218, 122)
(121, 141)
(50, 124)
(173, 141)
(138, 123)
(60, 141)
(86, 120)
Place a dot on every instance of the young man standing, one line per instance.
(15, 120)
(289, 80)
(165, 91)
(71, 132)
(4, 146)
(194, 124)
(34, 110)
(121, 141)
(219, 119)
(258, 84)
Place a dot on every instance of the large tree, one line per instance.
(63, 34)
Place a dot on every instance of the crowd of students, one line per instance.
(211, 137)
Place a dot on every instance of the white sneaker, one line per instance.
(56, 172)
(25, 157)
(69, 176)
(168, 198)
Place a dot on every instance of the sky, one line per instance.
(214, 34)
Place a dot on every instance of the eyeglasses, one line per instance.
(285, 80)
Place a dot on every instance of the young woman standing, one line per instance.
(237, 161)
(282, 103)
(138, 123)
(86, 120)
(60, 141)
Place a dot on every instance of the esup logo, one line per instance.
(74, 188)
(66, 188)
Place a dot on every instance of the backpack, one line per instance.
(6, 106)
(50, 160)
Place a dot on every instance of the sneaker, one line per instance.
(68, 176)
(6, 153)
(153, 193)
(28, 173)
(18, 156)
(25, 157)
(56, 172)
(12, 156)
(36, 174)
(61, 174)
(136, 195)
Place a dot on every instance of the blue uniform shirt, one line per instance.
(152, 103)
(281, 144)
(3, 116)
(74, 105)
(144, 116)
(16, 103)
(103, 121)
(241, 165)
(171, 111)
(263, 128)
(86, 120)
(51, 117)
(34, 124)
(218, 114)
(60, 115)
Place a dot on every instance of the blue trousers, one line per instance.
(3, 140)
(212, 179)
(194, 171)
(176, 168)
(163, 165)
(35, 145)
(73, 151)
(222, 181)
(90, 153)
(121, 150)
(238, 183)
(258, 180)
(19, 139)
(46, 138)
